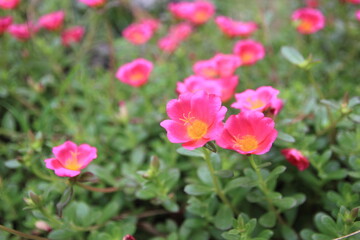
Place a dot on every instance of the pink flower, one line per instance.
(9, 4)
(312, 3)
(138, 33)
(135, 73)
(22, 32)
(296, 158)
(72, 35)
(308, 20)
(168, 44)
(153, 24)
(262, 99)
(249, 51)
(52, 21)
(70, 159)
(198, 83)
(93, 3)
(128, 237)
(220, 66)
(180, 31)
(357, 14)
(202, 12)
(233, 28)
(353, 1)
(197, 12)
(5, 22)
(195, 119)
(229, 85)
(248, 133)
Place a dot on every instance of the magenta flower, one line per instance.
(296, 158)
(357, 15)
(72, 35)
(195, 119)
(52, 21)
(262, 99)
(23, 31)
(9, 4)
(153, 24)
(70, 159)
(168, 44)
(138, 33)
(249, 51)
(180, 31)
(308, 20)
(312, 3)
(135, 73)
(128, 237)
(5, 22)
(248, 133)
(197, 12)
(93, 3)
(234, 28)
(353, 1)
(193, 84)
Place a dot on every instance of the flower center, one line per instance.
(137, 37)
(209, 72)
(255, 104)
(72, 163)
(137, 76)
(246, 143)
(197, 129)
(306, 26)
(247, 57)
(200, 16)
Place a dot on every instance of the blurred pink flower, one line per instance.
(9, 4)
(168, 44)
(229, 85)
(72, 35)
(197, 12)
(70, 159)
(353, 1)
(296, 158)
(180, 31)
(195, 119)
(262, 99)
(153, 24)
(5, 23)
(219, 66)
(128, 237)
(357, 15)
(312, 3)
(93, 3)
(233, 28)
(193, 84)
(138, 33)
(135, 73)
(249, 51)
(52, 21)
(248, 133)
(23, 31)
(308, 20)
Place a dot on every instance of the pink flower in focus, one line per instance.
(312, 3)
(296, 158)
(135, 73)
(72, 35)
(249, 51)
(180, 31)
(9, 4)
(52, 21)
(93, 3)
(22, 32)
(193, 84)
(308, 20)
(357, 14)
(153, 24)
(202, 12)
(248, 133)
(5, 22)
(233, 28)
(195, 119)
(262, 99)
(138, 33)
(168, 44)
(220, 66)
(197, 12)
(70, 159)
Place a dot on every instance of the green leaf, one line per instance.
(60, 234)
(240, 182)
(225, 173)
(204, 175)
(110, 210)
(288, 233)
(190, 153)
(82, 213)
(171, 205)
(292, 55)
(275, 173)
(326, 224)
(147, 192)
(286, 203)
(268, 220)
(12, 163)
(285, 137)
(223, 218)
(197, 189)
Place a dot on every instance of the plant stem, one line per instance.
(314, 84)
(21, 234)
(349, 235)
(95, 189)
(263, 187)
(216, 182)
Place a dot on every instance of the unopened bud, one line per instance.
(123, 114)
(42, 225)
(128, 237)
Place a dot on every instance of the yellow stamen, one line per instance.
(247, 57)
(254, 104)
(246, 143)
(72, 163)
(197, 129)
(136, 76)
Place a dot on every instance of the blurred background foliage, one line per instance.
(50, 94)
